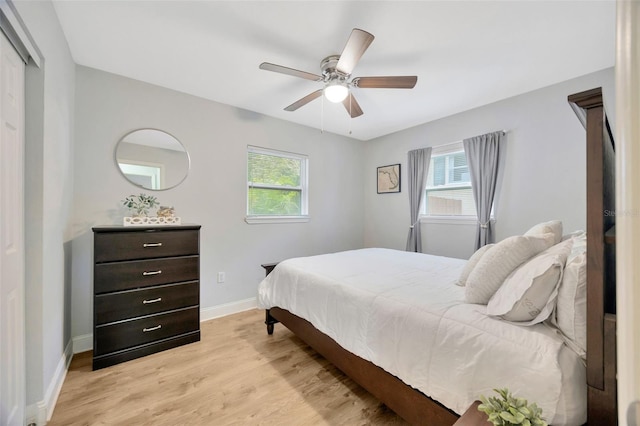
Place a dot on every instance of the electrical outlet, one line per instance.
(221, 277)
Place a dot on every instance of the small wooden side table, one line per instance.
(269, 320)
(268, 267)
(473, 417)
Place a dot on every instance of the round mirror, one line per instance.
(152, 159)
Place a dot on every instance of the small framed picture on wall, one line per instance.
(388, 179)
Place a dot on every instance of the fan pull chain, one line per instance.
(322, 115)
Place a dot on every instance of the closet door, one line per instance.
(12, 282)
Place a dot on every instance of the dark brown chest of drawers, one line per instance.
(146, 287)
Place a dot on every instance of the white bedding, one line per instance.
(403, 312)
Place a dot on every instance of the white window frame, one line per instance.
(437, 151)
(303, 188)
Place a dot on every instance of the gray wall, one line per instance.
(542, 178)
(48, 196)
(214, 194)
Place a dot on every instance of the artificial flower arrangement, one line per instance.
(139, 207)
(507, 410)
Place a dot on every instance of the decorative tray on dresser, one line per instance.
(146, 290)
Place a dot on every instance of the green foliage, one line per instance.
(508, 410)
(273, 170)
(274, 185)
(139, 205)
(274, 202)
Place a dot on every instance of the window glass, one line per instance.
(276, 183)
(448, 191)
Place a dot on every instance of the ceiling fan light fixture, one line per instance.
(336, 92)
(336, 74)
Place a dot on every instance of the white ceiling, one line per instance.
(465, 53)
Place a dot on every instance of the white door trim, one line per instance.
(12, 250)
(17, 26)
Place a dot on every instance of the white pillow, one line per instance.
(571, 306)
(496, 265)
(471, 263)
(528, 295)
(553, 226)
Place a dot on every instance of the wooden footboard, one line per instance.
(409, 403)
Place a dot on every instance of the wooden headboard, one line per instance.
(601, 274)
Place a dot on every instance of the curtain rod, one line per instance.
(504, 132)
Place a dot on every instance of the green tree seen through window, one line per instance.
(275, 184)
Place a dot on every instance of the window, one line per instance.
(276, 186)
(449, 190)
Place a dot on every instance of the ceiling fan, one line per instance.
(336, 72)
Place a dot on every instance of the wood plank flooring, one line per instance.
(236, 375)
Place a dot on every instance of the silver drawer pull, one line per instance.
(146, 302)
(157, 327)
(146, 273)
(152, 245)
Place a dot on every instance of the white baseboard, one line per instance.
(213, 312)
(55, 386)
(40, 412)
(36, 414)
(84, 342)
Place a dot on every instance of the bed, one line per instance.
(399, 326)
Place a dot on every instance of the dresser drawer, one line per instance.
(115, 246)
(143, 273)
(140, 302)
(127, 334)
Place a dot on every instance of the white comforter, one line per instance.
(403, 312)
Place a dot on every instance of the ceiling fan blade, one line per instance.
(302, 102)
(397, 82)
(352, 106)
(290, 71)
(357, 44)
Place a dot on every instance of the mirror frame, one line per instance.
(122, 173)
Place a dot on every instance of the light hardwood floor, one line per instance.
(236, 375)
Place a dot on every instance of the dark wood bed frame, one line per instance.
(418, 409)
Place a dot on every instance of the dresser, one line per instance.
(146, 291)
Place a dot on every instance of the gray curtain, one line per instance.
(482, 154)
(417, 173)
